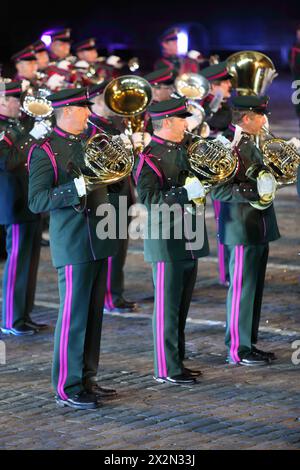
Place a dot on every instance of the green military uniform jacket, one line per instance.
(73, 237)
(170, 160)
(13, 173)
(239, 222)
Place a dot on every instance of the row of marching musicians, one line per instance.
(64, 180)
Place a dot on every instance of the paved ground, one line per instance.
(230, 407)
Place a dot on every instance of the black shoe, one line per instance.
(24, 330)
(35, 326)
(79, 401)
(121, 306)
(101, 392)
(191, 372)
(249, 359)
(181, 379)
(265, 354)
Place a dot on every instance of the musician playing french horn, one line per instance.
(103, 119)
(247, 223)
(60, 183)
(160, 174)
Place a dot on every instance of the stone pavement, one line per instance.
(230, 408)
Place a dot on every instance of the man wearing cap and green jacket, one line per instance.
(160, 173)
(247, 224)
(77, 252)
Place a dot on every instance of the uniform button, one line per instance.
(61, 192)
(30, 140)
(169, 150)
(69, 190)
(22, 146)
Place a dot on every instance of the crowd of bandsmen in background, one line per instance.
(79, 82)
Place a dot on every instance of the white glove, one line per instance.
(115, 61)
(194, 189)
(195, 55)
(25, 85)
(295, 142)
(64, 64)
(140, 139)
(216, 101)
(80, 186)
(82, 64)
(39, 130)
(193, 122)
(223, 140)
(125, 139)
(266, 184)
(55, 81)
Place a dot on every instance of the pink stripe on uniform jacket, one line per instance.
(235, 303)
(64, 336)
(12, 273)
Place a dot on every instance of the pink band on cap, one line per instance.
(173, 111)
(71, 100)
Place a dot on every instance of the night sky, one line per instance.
(132, 27)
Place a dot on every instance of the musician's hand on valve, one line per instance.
(295, 142)
(224, 141)
(39, 130)
(140, 140)
(194, 188)
(125, 139)
(266, 186)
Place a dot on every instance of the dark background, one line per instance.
(132, 28)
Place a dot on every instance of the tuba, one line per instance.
(213, 161)
(128, 96)
(281, 158)
(252, 72)
(107, 160)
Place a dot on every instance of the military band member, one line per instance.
(23, 228)
(61, 68)
(171, 57)
(26, 65)
(160, 174)
(102, 119)
(162, 83)
(41, 54)
(247, 231)
(78, 254)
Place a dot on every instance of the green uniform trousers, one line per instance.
(23, 244)
(174, 284)
(115, 275)
(78, 329)
(247, 276)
